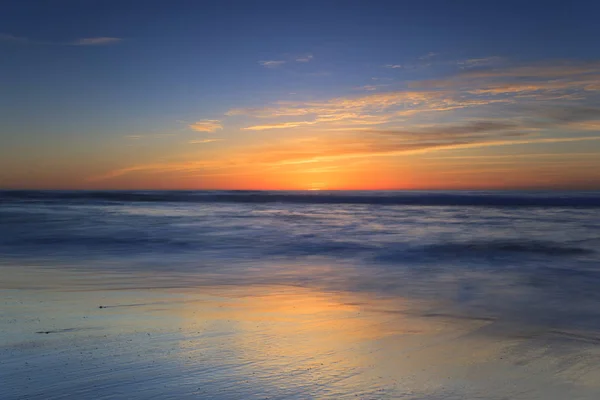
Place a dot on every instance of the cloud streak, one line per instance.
(305, 58)
(204, 141)
(272, 63)
(434, 60)
(479, 62)
(91, 41)
(479, 90)
(288, 59)
(206, 125)
(543, 77)
(96, 41)
(369, 109)
(14, 39)
(317, 150)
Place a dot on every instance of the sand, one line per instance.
(68, 334)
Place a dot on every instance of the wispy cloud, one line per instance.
(429, 56)
(149, 136)
(92, 41)
(96, 41)
(342, 148)
(422, 61)
(475, 129)
(189, 166)
(479, 107)
(272, 63)
(14, 39)
(328, 149)
(369, 109)
(287, 59)
(282, 125)
(545, 80)
(370, 88)
(479, 62)
(203, 141)
(507, 90)
(157, 167)
(206, 125)
(305, 58)
(513, 156)
(434, 60)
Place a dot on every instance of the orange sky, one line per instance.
(307, 120)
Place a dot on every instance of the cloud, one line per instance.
(587, 126)
(149, 136)
(202, 141)
(93, 41)
(571, 114)
(13, 39)
(428, 56)
(375, 86)
(287, 59)
(475, 129)
(479, 62)
(370, 88)
(513, 156)
(329, 121)
(541, 76)
(343, 148)
(508, 91)
(163, 167)
(434, 60)
(326, 149)
(543, 70)
(206, 125)
(516, 105)
(305, 58)
(272, 63)
(96, 41)
(278, 126)
(379, 108)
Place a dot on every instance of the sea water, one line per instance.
(241, 294)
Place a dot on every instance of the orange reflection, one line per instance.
(303, 335)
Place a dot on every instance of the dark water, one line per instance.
(415, 198)
(518, 259)
(532, 256)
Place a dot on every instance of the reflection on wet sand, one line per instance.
(295, 337)
(273, 341)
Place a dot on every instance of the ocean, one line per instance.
(297, 295)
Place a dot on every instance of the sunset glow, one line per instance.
(176, 110)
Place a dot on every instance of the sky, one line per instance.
(299, 95)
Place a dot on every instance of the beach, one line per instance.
(356, 295)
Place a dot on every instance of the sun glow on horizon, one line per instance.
(379, 117)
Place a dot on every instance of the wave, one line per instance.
(407, 198)
(481, 249)
(508, 246)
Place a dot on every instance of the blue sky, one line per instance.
(95, 88)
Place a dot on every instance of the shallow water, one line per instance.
(290, 295)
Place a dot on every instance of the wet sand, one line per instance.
(68, 334)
